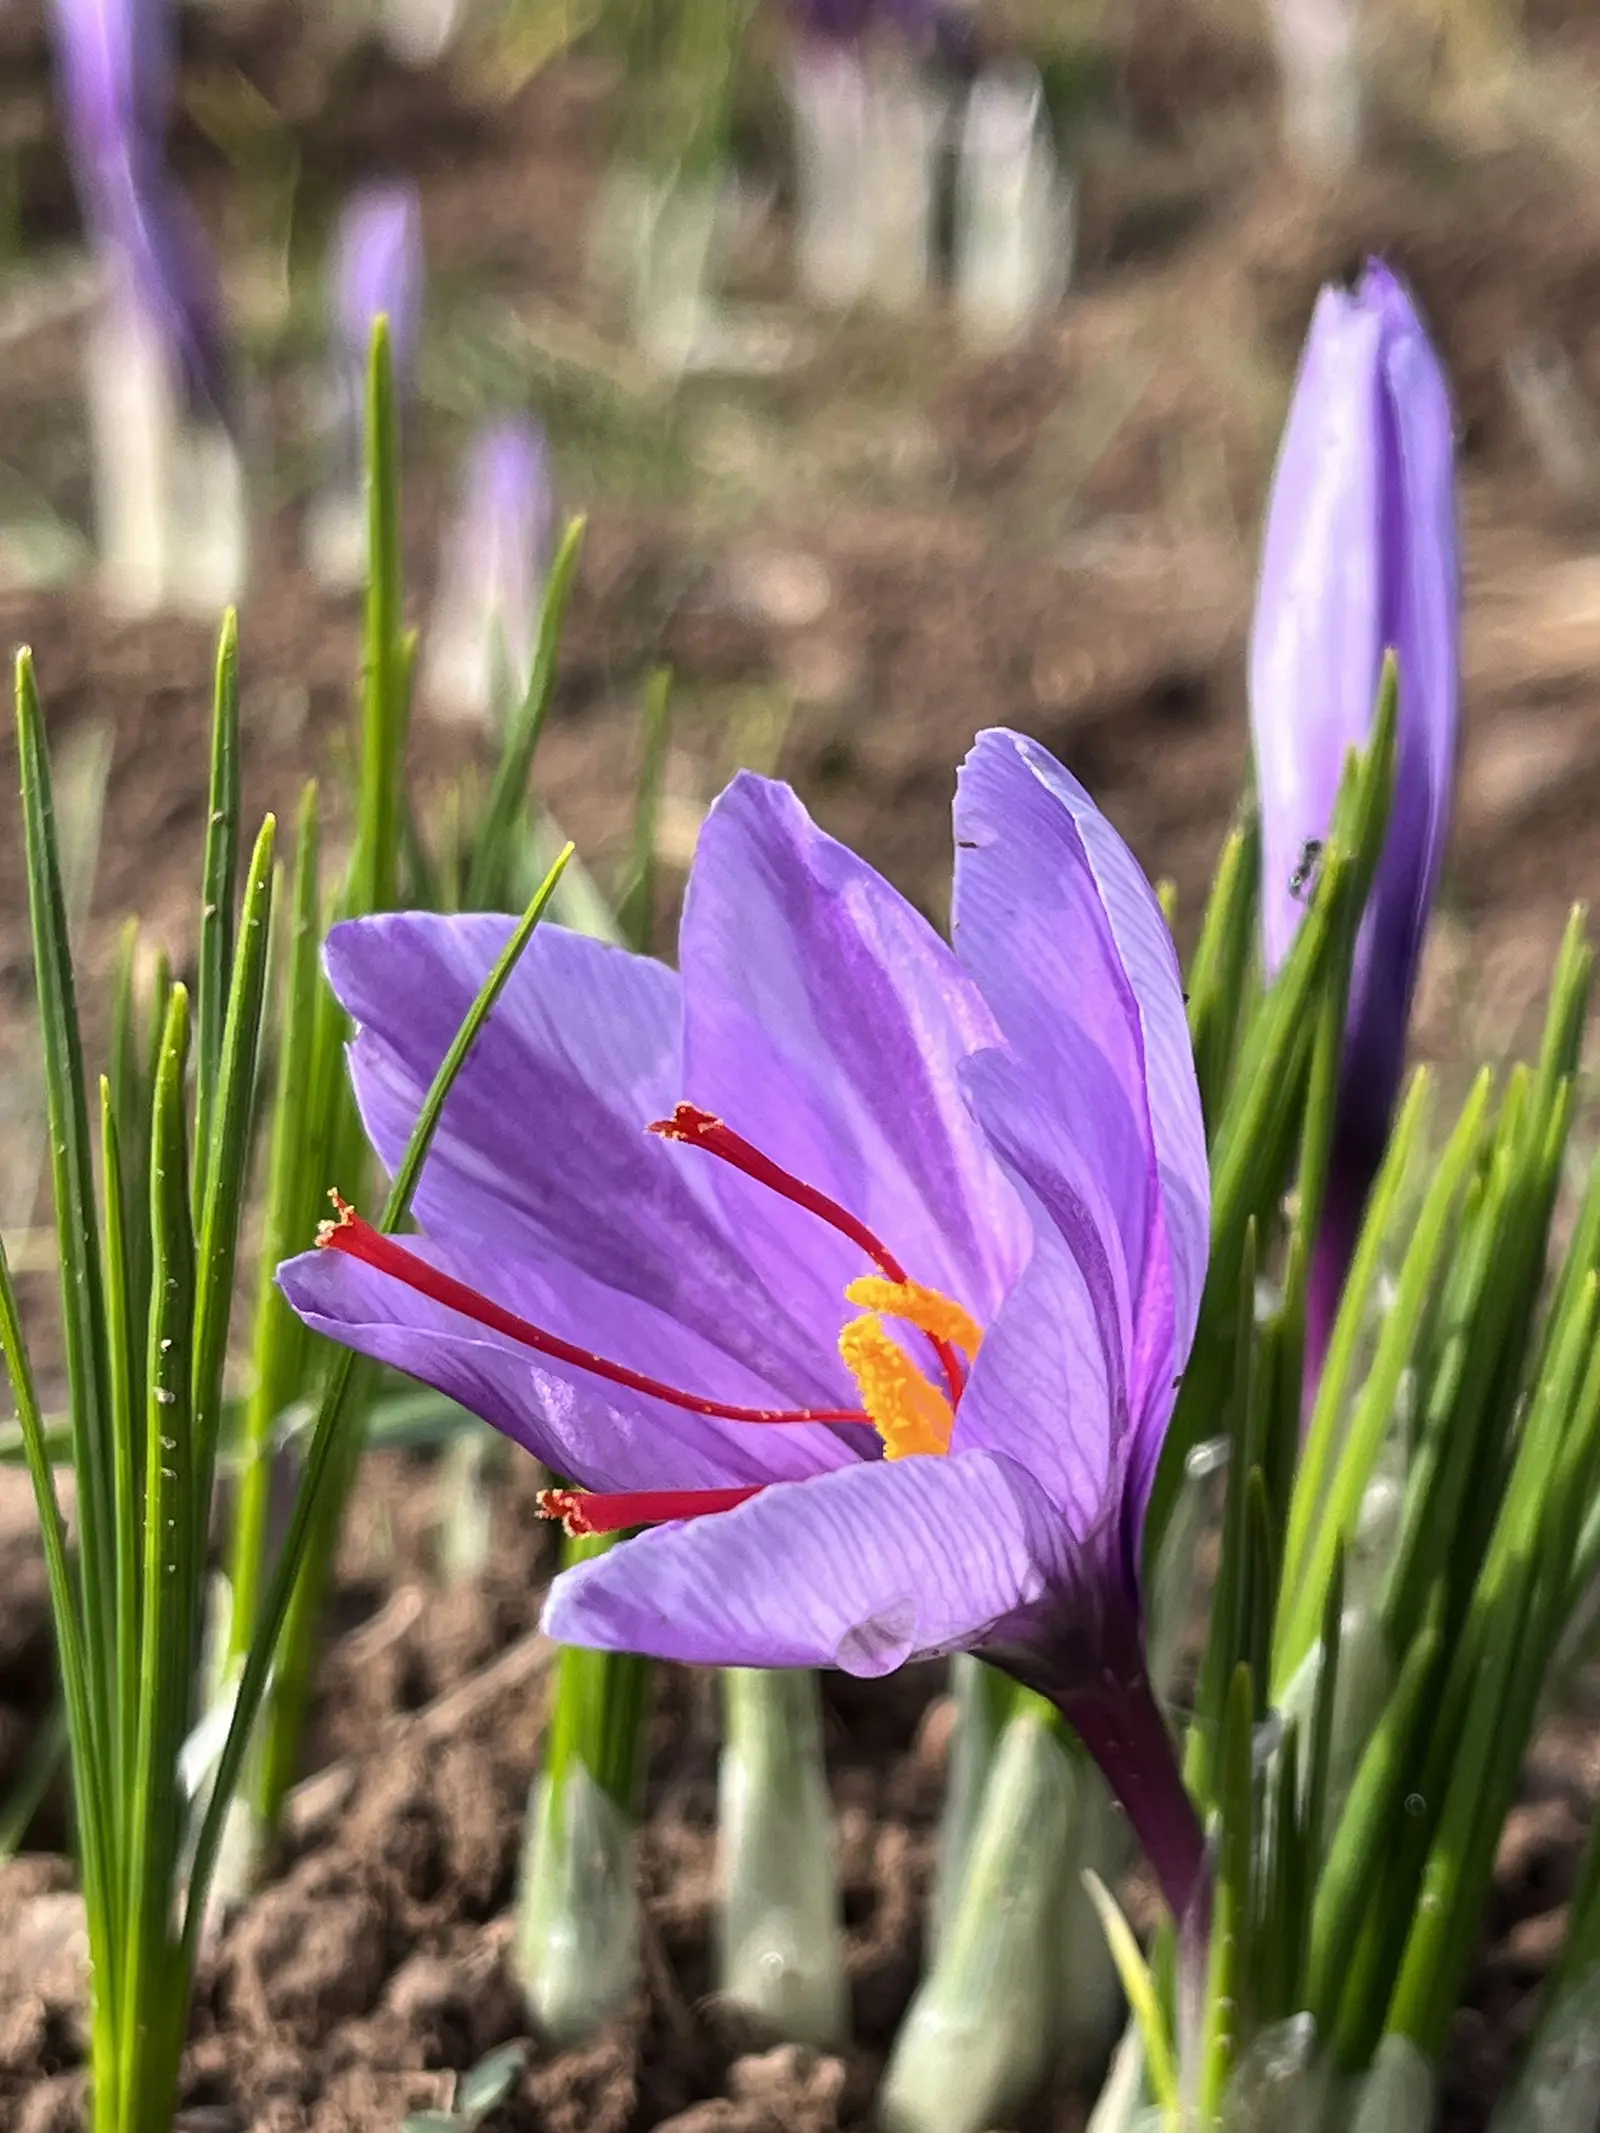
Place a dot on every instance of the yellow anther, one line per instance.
(909, 1413)
(925, 1309)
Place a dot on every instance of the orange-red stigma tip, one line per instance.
(341, 1218)
(687, 1123)
(567, 1505)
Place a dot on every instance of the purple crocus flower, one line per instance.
(1360, 557)
(114, 76)
(686, 1305)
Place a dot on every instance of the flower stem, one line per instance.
(1120, 1723)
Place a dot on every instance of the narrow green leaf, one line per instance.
(1367, 1826)
(1313, 1542)
(1139, 1988)
(72, 1180)
(635, 906)
(279, 1339)
(1219, 973)
(384, 693)
(171, 1581)
(1223, 2024)
(508, 804)
(96, 1844)
(227, 1162)
(220, 887)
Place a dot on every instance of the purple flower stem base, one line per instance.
(1121, 1725)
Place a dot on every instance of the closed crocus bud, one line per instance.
(1360, 558)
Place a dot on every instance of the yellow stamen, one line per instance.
(925, 1309)
(909, 1413)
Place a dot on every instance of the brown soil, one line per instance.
(851, 569)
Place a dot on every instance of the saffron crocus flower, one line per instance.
(492, 574)
(995, 1151)
(1360, 558)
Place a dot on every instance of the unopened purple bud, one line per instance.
(1360, 558)
(377, 271)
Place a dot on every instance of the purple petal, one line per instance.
(826, 1021)
(114, 63)
(592, 1433)
(862, 1570)
(1315, 650)
(1049, 1386)
(1421, 577)
(542, 1154)
(1095, 1105)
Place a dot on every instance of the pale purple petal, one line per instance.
(542, 1153)
(582, 1428)
(1315, 649)
(827, 1022)
(1049, 1386)
(1421, 578)
(862, 1570)
(1143, 944)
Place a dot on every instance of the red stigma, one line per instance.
(584, 1512)
(703, 1129)
(348, 1233)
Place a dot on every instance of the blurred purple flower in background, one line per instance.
(114, 78)
(1360, 556)
(1018, 1117)
(939, 26)
(492, 578)
(376, 270)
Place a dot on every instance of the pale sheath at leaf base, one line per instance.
(1360, 557)
(880, 1329)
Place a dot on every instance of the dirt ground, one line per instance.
(851, 567)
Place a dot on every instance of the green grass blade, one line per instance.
(126, 1319)
(90, 1772)
(279, 1340)
(220, 887)
(171, 1578)
(385, 694)
(507, 811)
(636, 905)
(1319, 1525)
(1219, 973)
(72, 1179)
(227, 1162)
